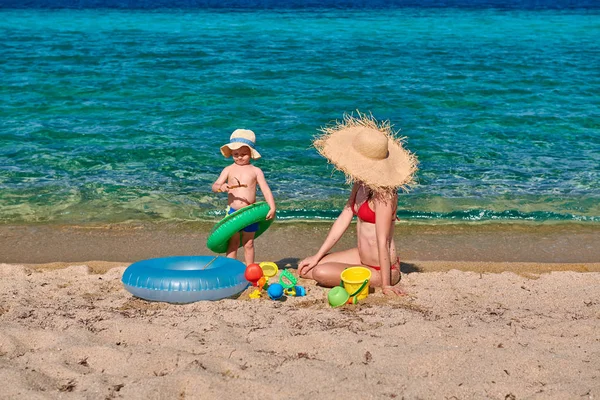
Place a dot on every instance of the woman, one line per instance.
(377, 164)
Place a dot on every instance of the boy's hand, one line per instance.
(224, 188)
(271, 213)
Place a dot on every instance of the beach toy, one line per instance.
(253, 273)
(287, 280)
(275, 291)
(185, 279)
(269, 269)
(258, 275)
(232, 224)
(337, 296)
(261, 283)
(356, 281)
(296, 291)
(255, 294)
(354, 287)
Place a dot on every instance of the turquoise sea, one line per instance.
(113, 114)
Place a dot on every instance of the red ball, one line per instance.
(253, 273)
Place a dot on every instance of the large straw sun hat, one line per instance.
(367, 151)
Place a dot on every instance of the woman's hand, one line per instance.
(307, 264)
(395, 290)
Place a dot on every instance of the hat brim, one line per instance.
(227, 148)
(395, 171)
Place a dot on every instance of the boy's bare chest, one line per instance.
(242, 176)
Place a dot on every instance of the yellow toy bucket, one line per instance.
(356, 281)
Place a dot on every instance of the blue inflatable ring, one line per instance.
(185, 279)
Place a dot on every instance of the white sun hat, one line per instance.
(240, 138)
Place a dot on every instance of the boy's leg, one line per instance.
(233, 245)
(248, 243)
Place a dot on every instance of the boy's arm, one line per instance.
(221, 181)
(266, 190)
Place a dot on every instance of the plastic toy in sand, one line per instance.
(287, 281)
(259, 274)
(253, 274)
(269, 269)
(354, 287)
(275, 291)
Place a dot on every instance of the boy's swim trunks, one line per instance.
(250, 228)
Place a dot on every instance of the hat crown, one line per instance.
(373, 145)
(238, 139)
(243, 134)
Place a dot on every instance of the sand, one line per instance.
(469, 329)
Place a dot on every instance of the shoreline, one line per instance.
(422, 247)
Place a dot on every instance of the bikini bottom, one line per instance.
(395, 265)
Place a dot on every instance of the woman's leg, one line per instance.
(376, 275)
(327, 272)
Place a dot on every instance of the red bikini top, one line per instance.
(364, 213)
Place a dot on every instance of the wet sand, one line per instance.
(288, 242)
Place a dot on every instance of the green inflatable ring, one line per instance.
(219, 235)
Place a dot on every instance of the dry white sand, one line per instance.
(70, 333)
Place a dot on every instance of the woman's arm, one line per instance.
(266, 191)
(337, 230)
(221, 180)
(385, 208)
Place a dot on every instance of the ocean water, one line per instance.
(115, 111)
